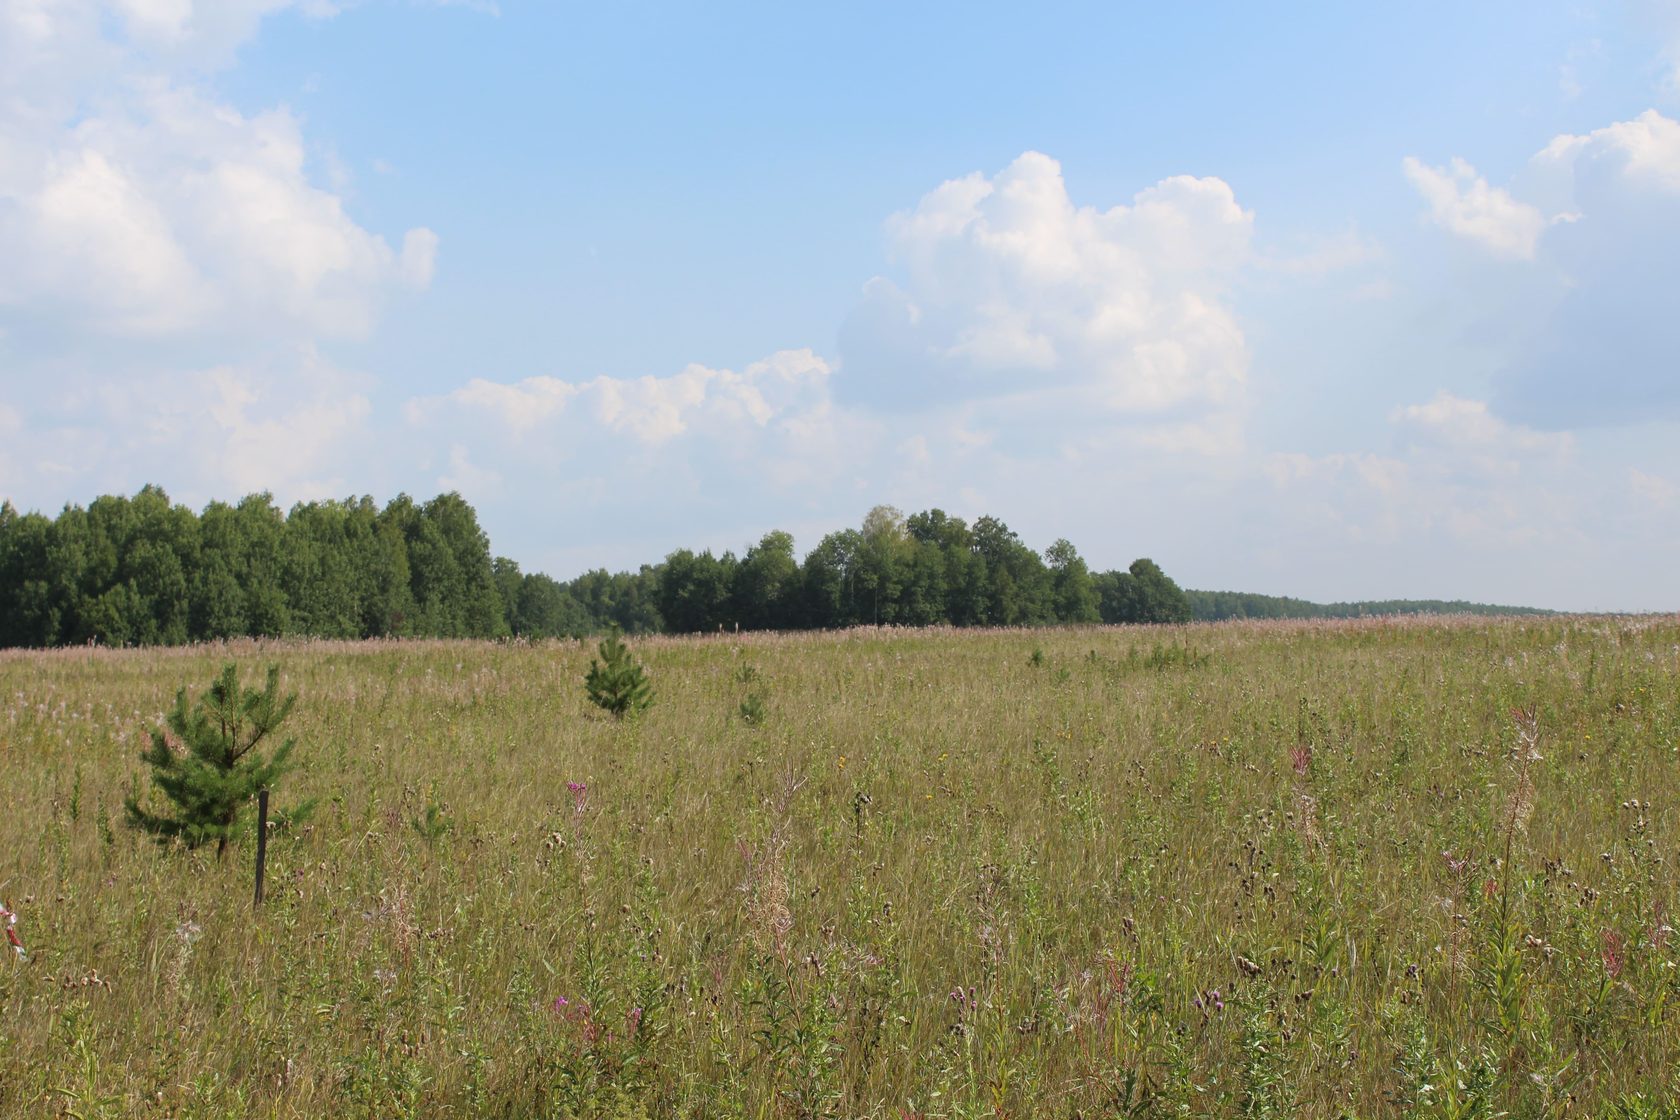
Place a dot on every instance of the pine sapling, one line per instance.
(206, 762)
(616, 682)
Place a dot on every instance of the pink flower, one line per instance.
(1614, 958)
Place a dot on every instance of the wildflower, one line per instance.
(1612, 954)
(10, 920)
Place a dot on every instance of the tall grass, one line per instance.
(1263, 869)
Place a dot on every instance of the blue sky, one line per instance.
(1326, 301)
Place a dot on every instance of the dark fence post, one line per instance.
(262, 841)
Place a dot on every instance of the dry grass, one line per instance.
(1244, 870)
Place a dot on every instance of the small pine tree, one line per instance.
(212, 770)
(753, 710)
(617, 682)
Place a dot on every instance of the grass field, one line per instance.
(1284, 869)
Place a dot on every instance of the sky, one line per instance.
(1327, 300)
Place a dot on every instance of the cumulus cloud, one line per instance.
(695, 450)
(290, 424)
(1462, 202)
(135, 202)
(1008, 288)
(1602, 350)
(1457, 474)
(1592, 332)
(785, 388)
(1464, 504)
(1643, 153)
(1467, 435)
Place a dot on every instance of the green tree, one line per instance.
(205, 760)
(1159, 599)
(328, 559)
(616, 682)
(922, 590)
(548, 610)
(827, 580)
(509, 581)
(1018, 591)
(478, 611)
(28, 616)
(261, 537)
(1143, 593)
(1074, 596)
(766, 590)
(694, 591)
(963, 570)
(1116, 597)
(878, 566)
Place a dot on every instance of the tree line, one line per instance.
(1216, 606)
(146, 571)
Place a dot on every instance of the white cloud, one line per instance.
(694, 451)
(1589, 338)
(1644, 151)
(466, 477)
(177, 214)
(291, 425)
(1467, 433)
(280, 433)
(1010, 290)
(1459, 476)
(1563, 179)
(1462, 202)
(134, 202)
(91, 236)
(787, 388)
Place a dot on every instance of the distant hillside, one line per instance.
(1212, 606)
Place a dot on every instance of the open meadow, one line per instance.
(1375, 868)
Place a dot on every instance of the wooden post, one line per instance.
(262, 841)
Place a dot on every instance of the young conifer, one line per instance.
(205, 760)
(617, 682)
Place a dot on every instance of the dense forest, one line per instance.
(1215, 606)
(146, 571)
